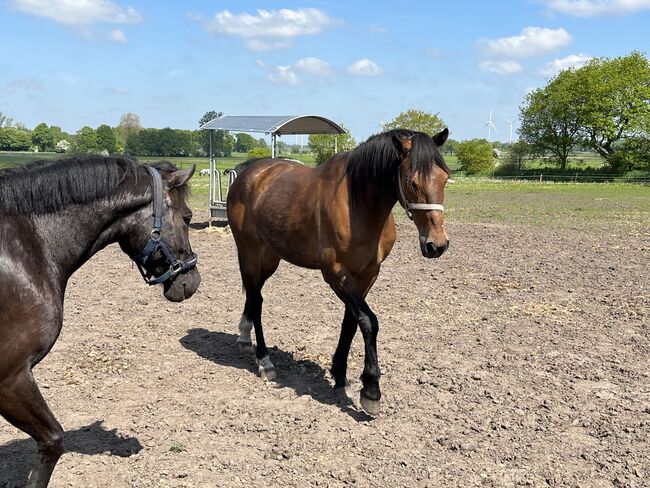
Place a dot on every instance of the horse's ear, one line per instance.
(180, 177)
(403, 146)
(440, 138)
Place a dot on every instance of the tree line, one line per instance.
(128, 137)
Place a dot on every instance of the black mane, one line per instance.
(44, 187)
(378, 158)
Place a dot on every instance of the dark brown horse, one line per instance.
(53, 217)
(337, 218)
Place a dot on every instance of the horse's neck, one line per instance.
(373, 209)
(74, 234)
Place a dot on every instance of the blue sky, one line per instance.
(86, 62)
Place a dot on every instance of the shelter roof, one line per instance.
(280, 125)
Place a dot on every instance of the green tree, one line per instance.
(218, 138)
(43, 138)
(518, 153)
(551, 120)
(85, 141)
(5, 121)
(106, 139)
(58, 134)
(261, 142)
(450, 146)
(129, 124)
(282, 147)
(12, 139)
(417, 120)
(615, 96)
(475, 156)
(322, 145)
(245, 142)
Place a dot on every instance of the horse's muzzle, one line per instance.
(430, 250)
(182, 286)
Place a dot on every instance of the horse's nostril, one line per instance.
(430, 247)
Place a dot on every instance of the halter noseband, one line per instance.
(157, 243)
(408, 206)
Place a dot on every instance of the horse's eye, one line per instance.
(187, 218)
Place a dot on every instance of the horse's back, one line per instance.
(278, 203)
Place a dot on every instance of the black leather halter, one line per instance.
(157, 243)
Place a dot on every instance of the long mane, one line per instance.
(43, 187)
(377, 159)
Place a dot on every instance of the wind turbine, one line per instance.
(510, 139)
(490, 126)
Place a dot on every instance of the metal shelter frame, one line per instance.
(273, 125)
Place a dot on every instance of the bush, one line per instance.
(260, 152)
(475, 156)
(517, 154)
(632, 154)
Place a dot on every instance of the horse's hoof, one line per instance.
(266, 369)
(342, 394)
(268, 374)
(372, 407)
(246, 347)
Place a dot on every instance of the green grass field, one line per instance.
(583, 205)
(561, 205)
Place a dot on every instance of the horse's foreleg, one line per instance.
(23, 406)
(352, 293)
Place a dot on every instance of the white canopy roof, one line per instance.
(277, 125)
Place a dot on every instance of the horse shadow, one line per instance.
(305, 377)
(17, 457)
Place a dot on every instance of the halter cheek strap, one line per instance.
(408, 206)
(157, 243)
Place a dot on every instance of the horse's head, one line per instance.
(422, 176)
(158, 241)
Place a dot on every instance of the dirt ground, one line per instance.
(519, 358)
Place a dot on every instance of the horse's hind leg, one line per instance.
(256, 267)
(340, 360)
(23, 406)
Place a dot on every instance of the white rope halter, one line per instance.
(408, 206)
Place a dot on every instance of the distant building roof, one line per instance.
(280, 125)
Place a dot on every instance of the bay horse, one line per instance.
(55, 215)
(337, 217)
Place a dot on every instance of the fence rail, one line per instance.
(568, 178)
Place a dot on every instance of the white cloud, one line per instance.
(284, 75)
(501, 67)
(364, 67)
(532, 41)
(117, 36)
(291, 74)
(314, 67)
(269, 29)
(572, 61)
(78, 12)
(592, 8)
